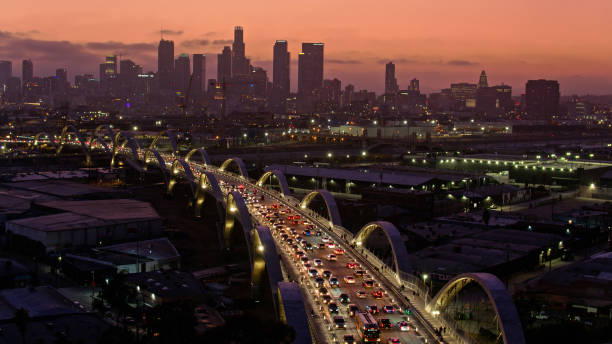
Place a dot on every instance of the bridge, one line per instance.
(275, 265)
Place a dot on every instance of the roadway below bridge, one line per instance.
(305, 258)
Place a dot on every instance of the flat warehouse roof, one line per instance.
(108, 210)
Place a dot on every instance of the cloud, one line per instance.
(222, 41)
(461, 63)
(210, 33)
(169, 32)
(398, 61)
(195, 43)
(340, 61)
(116, 46)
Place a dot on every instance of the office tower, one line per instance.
(224, 65)
(464, 94)
(259, 83)
(486, 101)
(414, 85)
(62, 84)
(347, 97)
(542, 98)
(13, 89)
(128, 76)
(6, 72)
(482, 82)
(182, 73)
(504, 98)
(198, 81)
(390, 80)
(280, 79)
(27, 71)
(240, 64)
(310, 75)
(331, 94)
(165, 65)
(108, 73)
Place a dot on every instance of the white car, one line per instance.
(325, 239)
(318, 262)
(349, 279)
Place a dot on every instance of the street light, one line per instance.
(260, 248)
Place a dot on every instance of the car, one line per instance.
(306, 232)
(403, 325)
(290, 241)
(326, 298)
(389, 309)
(323, 291)
(352, 309)
(351, 265)
(377, 294)
(349, 279)
(339, 322)
(361, 294)
(333, 308)
(385, 323)
(331, 244)
(325, 239)
(394, 340)
(305, 260)
(307, 267)
(349, 339)
(344, 298)
(333, 282)
(368, 283)
(327, 273)
(318, 262)
(331, 257)
(322, 245)
(372, 309)
(309, 226)
(339, 251)
(308, 246)
(313, 272)
(299, 239)
(319, 233)
(319, 281)
(359, 273)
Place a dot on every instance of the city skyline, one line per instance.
(511, 53)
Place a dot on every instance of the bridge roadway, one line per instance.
(294, 267)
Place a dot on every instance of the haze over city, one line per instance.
(437, 42)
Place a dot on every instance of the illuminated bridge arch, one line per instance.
(236, 209)
(507, 315)
(66, 131)
(177, 167)
(120, 141)
(171, 136)
(43, 135)
(241, 166)
(282, 181)
(149, 156)
(401, 260)
(292, 311)
(330, 203)
(202, 153)
(208, 184)
(264, 258)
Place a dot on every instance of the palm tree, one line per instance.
(21, 318)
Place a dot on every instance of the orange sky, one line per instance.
(437, 41)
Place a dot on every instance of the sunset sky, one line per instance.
(437, 41)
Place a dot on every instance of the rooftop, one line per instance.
(108, 209)
(167, 284)
(39, 301)
(59, 188)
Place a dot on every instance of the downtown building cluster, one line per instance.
(241, 87)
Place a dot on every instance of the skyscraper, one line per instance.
(482, 82)
(280, 80)
(224, 65)
(391, 87)
(240, 64)
(198, 82)
(182, 73)
(414, 85)
(108, 72)
(128, 76)
(27, 71)
(6, 72)
(165, 65)
(310, 75)
(542, 98)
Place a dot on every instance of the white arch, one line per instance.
(171, 136)
(330, 203)
(264, 259)
(67, 130)
(208, 184)
(400, 254)
(203, 155)
(241, 166)
(235, 208)
(507, 315)
(177, 166)
(282, 181)
(160, 162)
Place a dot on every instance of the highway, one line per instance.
(277, 213)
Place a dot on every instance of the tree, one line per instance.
(21, 318)
(486, 216)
